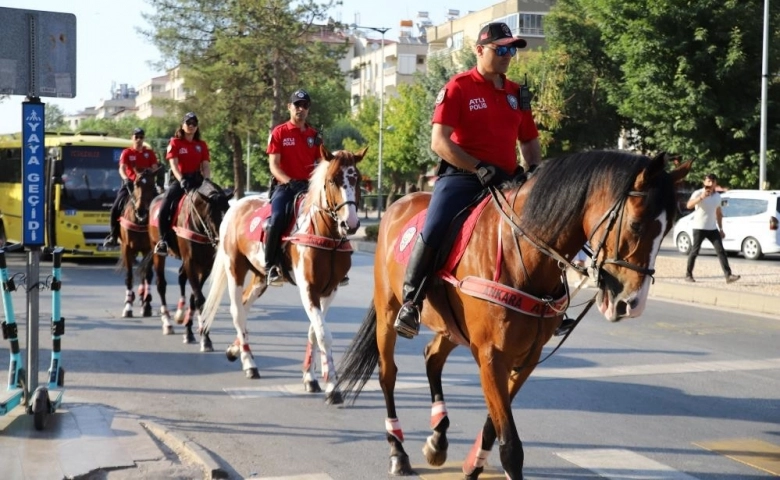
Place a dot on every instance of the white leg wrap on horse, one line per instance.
(438, 413)
(393, 427)
(476, 457)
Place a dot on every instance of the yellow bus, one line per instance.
(82, 179)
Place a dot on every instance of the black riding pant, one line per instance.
(172, 197)
(452, 192)
(119, 204)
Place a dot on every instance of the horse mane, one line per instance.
(563, 185)
(319, 177)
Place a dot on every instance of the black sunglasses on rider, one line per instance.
(502, 50)
(302, 104)
(192, 123)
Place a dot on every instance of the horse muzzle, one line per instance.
(346, 229)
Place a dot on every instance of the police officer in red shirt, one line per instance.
(479, 117)
(132, 161)
(189, 159)
(293, 151)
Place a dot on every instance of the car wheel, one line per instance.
(683, 243)
(751, 249)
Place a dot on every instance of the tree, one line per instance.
(689, 78)
(55, 118)
(240, 57)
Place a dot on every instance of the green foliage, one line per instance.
(55, 119)
(372, 233)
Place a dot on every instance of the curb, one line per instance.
(182, 445)
(743, 301)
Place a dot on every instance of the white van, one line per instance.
(750, 220)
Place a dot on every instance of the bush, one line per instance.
(372, 232)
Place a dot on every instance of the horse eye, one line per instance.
(636, 227)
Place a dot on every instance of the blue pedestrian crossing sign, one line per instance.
(33, 178)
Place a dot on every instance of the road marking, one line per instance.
(755, 453)
(622, 464)
(454, 471)
(305, 476)
(658, 369)
(296, 389)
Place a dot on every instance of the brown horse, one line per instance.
(504, 297)
(134, 239)
(317, 255)
(197, 234)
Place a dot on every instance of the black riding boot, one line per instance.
(273, 237)
(407, 323)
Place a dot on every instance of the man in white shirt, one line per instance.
(708, 223)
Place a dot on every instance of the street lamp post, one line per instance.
(381, 30)
(762, 185)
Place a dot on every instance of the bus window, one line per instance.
(11, 165)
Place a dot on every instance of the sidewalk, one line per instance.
(758, 291)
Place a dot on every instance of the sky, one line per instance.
(110, 50)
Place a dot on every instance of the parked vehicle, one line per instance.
(750, 220)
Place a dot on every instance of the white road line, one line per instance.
(306, 476)
(296, 389)
(622, 465)
(658, 369)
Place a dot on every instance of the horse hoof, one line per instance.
(312, 386)
(179, 317)
(147, 311)
(334, 398)
(206, 347)
(167, 330)
(400, 466)
(189, 338)
(474, 475)
(231, 356)
(252, 373)
(434, 457)
(127, 314)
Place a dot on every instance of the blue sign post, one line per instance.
(33, 175)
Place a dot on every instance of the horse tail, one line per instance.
(360, 359)
(217, 283)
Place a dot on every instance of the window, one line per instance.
(407, 64)
(743, 207)
(11, 165)
(457, 40)
(531, 24)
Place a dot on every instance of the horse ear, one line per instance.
(325, 153)
(655, 167)
(360, 154)
(679, 173)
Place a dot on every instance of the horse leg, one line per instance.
(180, 311)
(200, 300)
(310, 383)
(146, 299)
(162, 285)
(494, 376)
(478, 455)
(316, 309)
(189, 336)
(127, 311)
(238, 311)
(386, 337)
(436, 353)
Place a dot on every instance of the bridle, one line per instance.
(611, 218)
(136, 203)
(200, 223)
(329, 209)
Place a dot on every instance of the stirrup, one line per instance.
(273, 277)
(161, 248)
(110, 241)
(567, 325)
(344, 281)
(407, 322)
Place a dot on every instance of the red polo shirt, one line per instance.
(487, 120)
(132, 160)
(189, 153)
(298, 149)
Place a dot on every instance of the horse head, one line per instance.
(214, 202)
(621, 204)
(144, 191)
(334, 189)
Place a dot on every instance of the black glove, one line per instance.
(490, 175)
(128, 184)
(185, 183)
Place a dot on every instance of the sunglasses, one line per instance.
(502, 50)
(140, 137)
(192, 123)
(303, 105)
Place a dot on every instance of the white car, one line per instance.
(750, 220)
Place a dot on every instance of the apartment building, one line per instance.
(524, 17)
(382, 62)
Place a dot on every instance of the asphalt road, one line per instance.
(683, 392)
